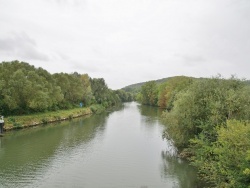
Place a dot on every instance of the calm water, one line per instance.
(112, 150)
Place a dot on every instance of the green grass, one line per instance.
(17, 122)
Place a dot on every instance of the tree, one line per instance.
(206, 104)
(169, 89)
(99, 90)
(71, 87)
(149, 93)
(17, 94)
(87, 92)
(124, 96)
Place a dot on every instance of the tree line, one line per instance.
(25, 89)
(208, 120)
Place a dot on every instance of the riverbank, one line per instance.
(25, 121)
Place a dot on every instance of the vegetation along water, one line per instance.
(208, 121)
(31, 96)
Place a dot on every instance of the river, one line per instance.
(119, 149)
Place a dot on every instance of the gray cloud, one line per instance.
(21, 46)
(128, 41)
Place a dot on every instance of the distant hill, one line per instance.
(134, 88)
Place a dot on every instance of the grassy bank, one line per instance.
(19, 122)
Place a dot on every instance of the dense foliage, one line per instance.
(148, 94)
(169, 89)
(162, 94)
(135, 88)
(226, 161)
(208, 120)
(25, 89)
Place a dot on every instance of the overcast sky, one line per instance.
(128, 41)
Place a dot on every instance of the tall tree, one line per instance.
(169, 89)
(99, 90)
(87, 92)
(149, 93)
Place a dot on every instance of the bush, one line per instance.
(97, 108)
(45, 120)
(225, 163)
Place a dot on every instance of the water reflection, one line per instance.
(172, 166)
(150, 111)
(25, 153)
